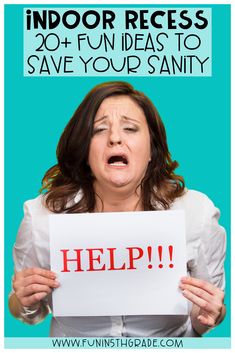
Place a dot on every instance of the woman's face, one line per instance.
(120, 147)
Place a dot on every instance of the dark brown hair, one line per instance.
(159, 187)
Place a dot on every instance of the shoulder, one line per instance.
(36, 206)
(200, 211)
(193, 199)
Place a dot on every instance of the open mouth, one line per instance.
(118, 160)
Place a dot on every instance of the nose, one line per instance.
(115, 137)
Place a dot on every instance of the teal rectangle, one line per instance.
(117, 343)
(119, 50)
(36, 111)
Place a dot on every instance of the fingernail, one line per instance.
(57, 284)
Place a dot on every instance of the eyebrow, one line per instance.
(100, 119)
(123, 117)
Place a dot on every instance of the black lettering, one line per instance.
(80, 37)
(86, 62)
(28, 19)
(159, 42)
(85, 19)
(67, 60)
(75, 22)
(202, 19)
(97, 60)
(165, 63)
(56, 65)
(202, 63)
(154, 16)
(92, 46)
(105, 61)
(52, 24)
(188, 20)
(143, 21)
(149, 62)
(171, 21)
(138, 37)
(37, 19)
(176, 64)
(108, 18)
(130, 19)
(29, 63)
(197, 39)
(132, 68)
(149, 43)
(111, 44)
(44, 66)
(179, 40)
(118, 70)
(127, 42)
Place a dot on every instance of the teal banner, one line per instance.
(117, 41)
(120, 343)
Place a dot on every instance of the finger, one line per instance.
(207, 321)
(214, 304)
(33, 299)
(208, 287)
(36, 288)
(197, 291)
(39, 271)
(203, 304)
(25, 292)
(37, 279)
(213, 300)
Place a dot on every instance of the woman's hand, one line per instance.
(33, 284)
(208, 301)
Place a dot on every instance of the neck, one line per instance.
(117, 201)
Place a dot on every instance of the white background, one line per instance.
(140, 291)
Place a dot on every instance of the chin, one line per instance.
(119, 183)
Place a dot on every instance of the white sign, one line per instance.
(127, 263)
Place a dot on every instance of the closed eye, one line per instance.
(99, 129)
(131, 129)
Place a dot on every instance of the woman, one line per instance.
(113, 156)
